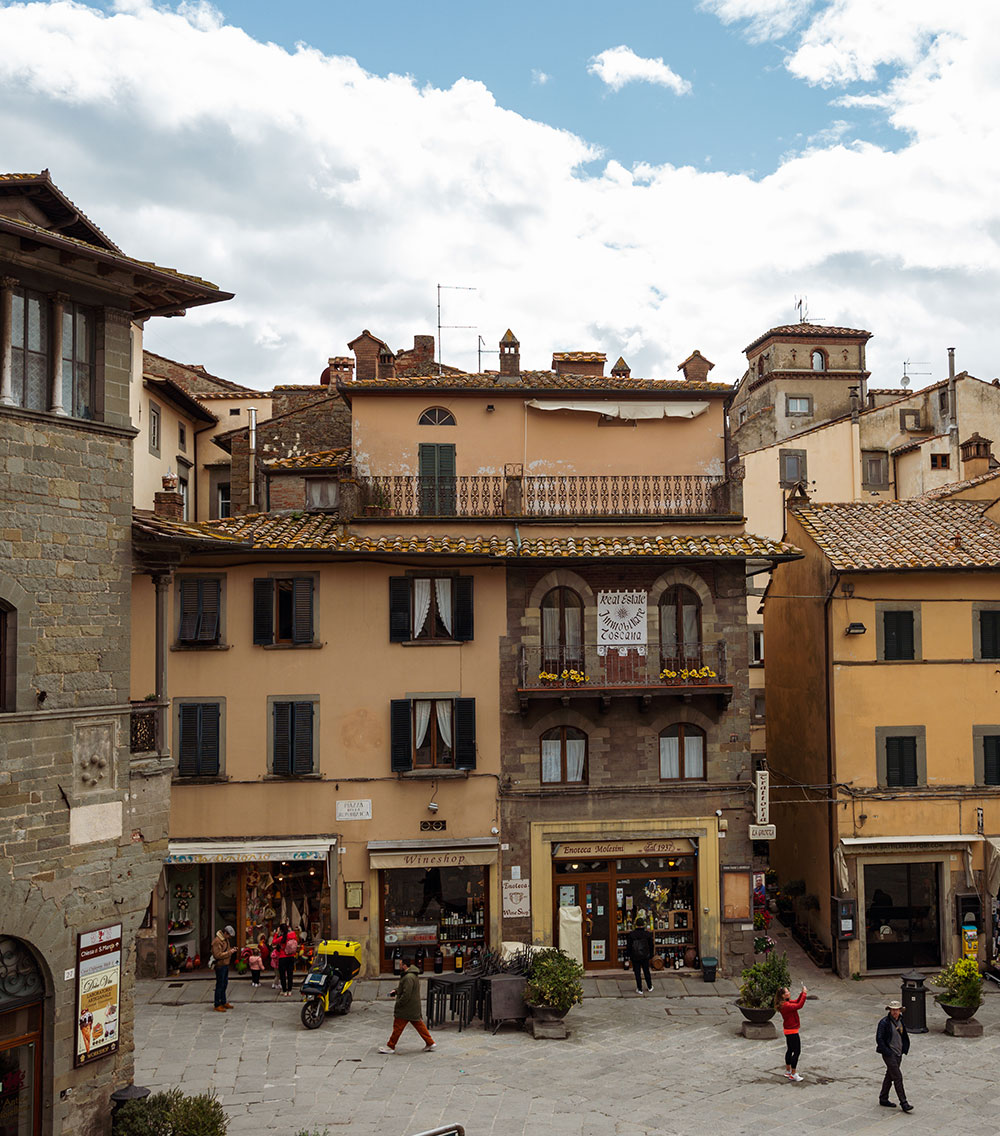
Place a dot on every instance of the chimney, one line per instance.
(252, 457)
(423, 349)
(587, 364)
(168, 503)
(695, 368)
(976, 456)
(621, 369)
(510, 356)
(340, 370)
(386, 363)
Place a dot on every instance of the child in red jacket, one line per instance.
(789, 1011)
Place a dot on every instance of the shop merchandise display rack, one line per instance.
(671, 918)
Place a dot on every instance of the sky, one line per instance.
(641, 179)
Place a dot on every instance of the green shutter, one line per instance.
(399, 609)
(302, 737)
(208, 764)
(209, 592)
(400, 735)
(991, 760)
(989, 634)
(464, 612)
(465, 733)
(188, 627)
(282, 750)
(187, 749)
(901, 762)
(263, 612)
(302, 609)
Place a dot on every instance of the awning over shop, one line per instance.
(429, 854)
(855, 844)
(625, 409)
(248, 851)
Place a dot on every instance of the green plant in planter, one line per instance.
(962, 984)
(554, 980)
(172, 1114)
(759, 983)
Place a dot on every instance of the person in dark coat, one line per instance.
(893, 1043)
(407, 1009)
(640, 951)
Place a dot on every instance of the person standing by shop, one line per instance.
(789, 1011)
(407, 1009)
(256, 964)
(640, 951)
(222, 952)
(893, 1043)
(286, 960)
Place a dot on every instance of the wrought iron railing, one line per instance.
(557, 495)
(142, 727)
(583, 667)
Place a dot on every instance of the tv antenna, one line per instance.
(484, 350)
(802, 304)
(451, 326)
(904, 382)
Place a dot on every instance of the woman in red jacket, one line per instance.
(789, 1011)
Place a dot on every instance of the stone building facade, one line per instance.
(83, 821)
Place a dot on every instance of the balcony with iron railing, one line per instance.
(545, 496)
(586, 670)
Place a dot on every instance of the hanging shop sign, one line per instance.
(621, 622)
(98, 969)
(763, 832)
(516, 899)
(354, 810)
(601, 849)
(762, 797)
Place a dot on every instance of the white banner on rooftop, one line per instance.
(631, 410)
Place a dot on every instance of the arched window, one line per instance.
(8, 657)
(818, 361)
(682, 753)
(562, 630)
(680, 628)
(564, 756)
(436, 416)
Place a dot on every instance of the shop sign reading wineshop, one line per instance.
(621, 622)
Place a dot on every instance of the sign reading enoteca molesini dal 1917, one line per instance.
(621, 621)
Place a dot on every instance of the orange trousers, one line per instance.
(399, 1024)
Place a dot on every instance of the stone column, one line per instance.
(161, 586)
(59, 302)
(7, 286)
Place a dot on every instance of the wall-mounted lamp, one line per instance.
(432, 806)
(855, 629)
(490, 408)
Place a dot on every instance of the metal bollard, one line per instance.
(914, 999)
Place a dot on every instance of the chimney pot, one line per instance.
(510, 356)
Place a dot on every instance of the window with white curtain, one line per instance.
(682, 753)
(562, 630)
(564, 756)
(433, 734)
(433, 608)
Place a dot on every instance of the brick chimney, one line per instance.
(169, 503)
(510, 356)
(386, 363)
(621, 369)
(976, 454)
(589, 364)
(367, 348)
(423, 350)
(695, 368)
(339, 370)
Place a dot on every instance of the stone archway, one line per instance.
(22, 1028)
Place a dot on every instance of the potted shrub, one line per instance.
(962, 989)
(553, 985)
(759, 984)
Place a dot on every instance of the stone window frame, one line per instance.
(276, 575)
(824, 357)
(562, 781)
(175, 716)
(790, 483)
(8, 657)
(756, 718)
(806, 398)
(910, 420)
(220, 641)
(881, 607)
(683, 726)
(979, 734)
(182, 436)
(755, 630)
(884, 732)
(883, 457)
(216, 479)
(272, 700)
(978, 607)
(19, 645)
(155, 431)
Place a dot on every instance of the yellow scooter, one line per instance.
(327, 987)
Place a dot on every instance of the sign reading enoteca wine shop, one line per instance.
(621, 621)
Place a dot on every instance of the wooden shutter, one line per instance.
(991, 760)
(400, 617)
(989, 634)
(187, 750)
(427, 478)
(400, 735)
(188, 628)
(446, 480)
(302, 737)
(209, 592)
(900, 762)
(465, 733)
(263, 612)
(302, 609)
(464, 615)
(282, 750)
(208, 764)
(898, 626)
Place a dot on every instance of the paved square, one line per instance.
(631, 1067)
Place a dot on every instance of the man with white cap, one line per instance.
(892, 1042)
(222, 952)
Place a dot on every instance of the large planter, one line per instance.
(547, 1013)
(757, 1015)
(959, 1013)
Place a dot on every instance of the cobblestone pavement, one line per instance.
(670, 1063)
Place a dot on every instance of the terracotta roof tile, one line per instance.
(579, 356)
(321, 459)
(808, 331)
(944, 491)
(903, 535)
(531, 381)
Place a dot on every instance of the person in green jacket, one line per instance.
(407, 1009)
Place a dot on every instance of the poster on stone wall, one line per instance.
(621, 622)
(98, 982)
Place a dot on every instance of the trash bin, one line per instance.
(914, 1001)
(708, 968)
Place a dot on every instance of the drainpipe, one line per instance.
(252, 463)
(832, 804)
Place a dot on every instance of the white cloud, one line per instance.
(540, 78)
(331, 199)
(617, 66)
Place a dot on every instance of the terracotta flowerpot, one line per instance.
(959, 1013)
(757, 1015)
